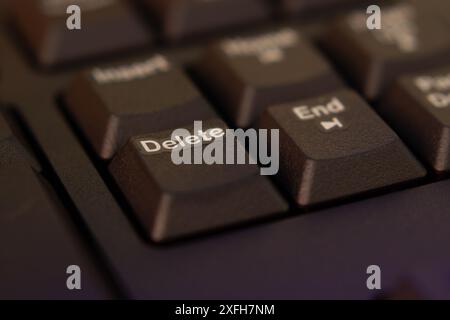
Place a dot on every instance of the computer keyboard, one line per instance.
(363, 125)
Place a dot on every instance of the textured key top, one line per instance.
(418, 107)
(113, 103)
(106, 26)
(250, 73)
(336, 146)
(410, 40)
(173, 201)
(37, 240)
(182, 18)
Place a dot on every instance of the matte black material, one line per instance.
(418, 106)
(179, 19)
(172, 201)
(335, 146)
(427, 280)
(324, 254)
(113, 103)
(106, 25)
(247, 74)
(38, 242)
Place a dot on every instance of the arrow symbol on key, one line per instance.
(329, 125)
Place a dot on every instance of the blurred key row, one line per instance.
(115, 25)
(333, 145)
(413, 38)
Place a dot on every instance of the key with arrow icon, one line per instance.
(331, 125)
(359, 153)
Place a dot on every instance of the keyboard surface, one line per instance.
(364, 149)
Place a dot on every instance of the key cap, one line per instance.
(418, 107)
(335, 146)
(247, 74)
(183, 18)
(37, 239)
(5, 132)
(113, 103)
(173, 201)
(410, 40)
(106, 26)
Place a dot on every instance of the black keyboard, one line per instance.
(364, 149)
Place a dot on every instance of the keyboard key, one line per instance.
(335, 146)
(410, 40)
(247, 74)
(173, 201)
(106, 26)
(418, 107)
(113, 103)
(183, 18)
